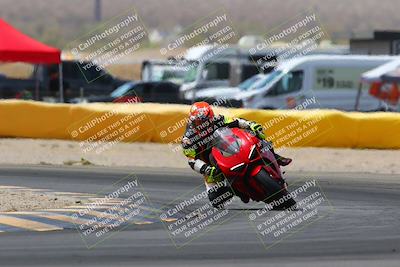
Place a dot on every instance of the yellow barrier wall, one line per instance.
(166, 123)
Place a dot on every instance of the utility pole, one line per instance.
(97, 10)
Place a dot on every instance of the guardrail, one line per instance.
(166, 124)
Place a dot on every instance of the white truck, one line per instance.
(217, 66)
(321, 81)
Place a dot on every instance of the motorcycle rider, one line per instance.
(197, 144)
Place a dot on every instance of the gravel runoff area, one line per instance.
(23, 199)
(61, 152)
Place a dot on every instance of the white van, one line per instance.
(315, 81)
(217, 66)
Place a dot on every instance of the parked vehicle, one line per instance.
(157, 71)
(228, 92)
(77, 81)
(320, 81)
(383, 83)
(210, 66)
(133, 92)
(45, 78)
(12, 87)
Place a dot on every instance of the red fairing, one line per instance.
(240, 156)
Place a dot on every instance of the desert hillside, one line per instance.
(58, 21)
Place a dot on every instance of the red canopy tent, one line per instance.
(18, 47)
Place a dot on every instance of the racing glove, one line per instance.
(213, 174)
(257, 129)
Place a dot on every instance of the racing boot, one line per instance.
(244, 198)
(282, 161)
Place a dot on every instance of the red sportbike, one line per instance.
(250, 167)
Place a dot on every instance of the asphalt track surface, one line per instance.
(362, 230)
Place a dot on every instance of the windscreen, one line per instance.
(173, 73)
(191, 73)
(246, 84)
(120, 91)
(226, 141)
(270, 78)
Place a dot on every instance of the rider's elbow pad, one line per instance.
(191, 163)
(198, 165)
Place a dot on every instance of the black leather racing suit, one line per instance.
(197, 146)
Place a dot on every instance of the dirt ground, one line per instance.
(27, 199)
(59, 152)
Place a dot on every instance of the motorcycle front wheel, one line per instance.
(274, 192)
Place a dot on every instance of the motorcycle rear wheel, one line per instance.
(273, 191)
